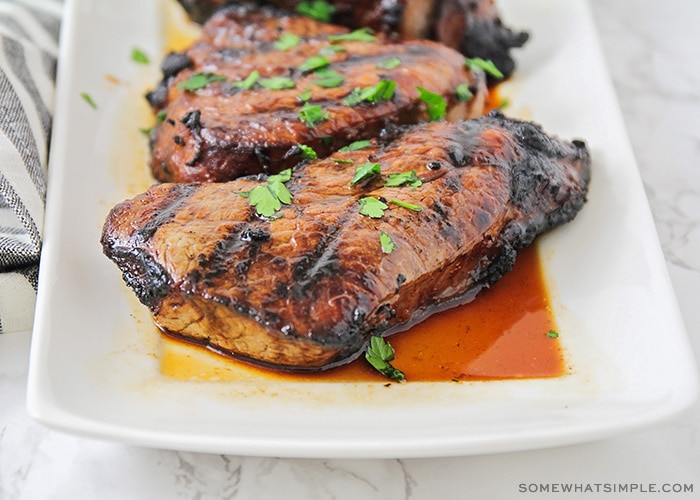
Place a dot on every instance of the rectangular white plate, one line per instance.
(94, 362)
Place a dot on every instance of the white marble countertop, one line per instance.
(652, 52)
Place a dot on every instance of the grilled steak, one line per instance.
(305, 288)
(473, 27)
(340, 90)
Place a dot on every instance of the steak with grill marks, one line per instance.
(473, 27)
(305, 290)
(218, 130)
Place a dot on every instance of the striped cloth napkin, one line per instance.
(28, 50)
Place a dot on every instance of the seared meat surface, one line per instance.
(473, 27)
(305, 289)
(229, 126)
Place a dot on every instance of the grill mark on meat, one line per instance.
(316, 282)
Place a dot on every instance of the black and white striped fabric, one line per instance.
(28, 50)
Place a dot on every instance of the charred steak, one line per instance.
(473, 27)
(260, 83)
(305, 288)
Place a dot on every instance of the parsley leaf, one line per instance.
(248, 82)
(383, 91)
(313, 63)
(379, 354)
(487, 66)
(199, 81)
(287, 41)
(312, 115)
(307, 152)
(359, 35)
(387, 243)
(317, 9)
(553, 334)
(372, 207)
(328, 78)
(139, 56)
(364, 172)
(434, 103)
(268, 199)
(403, 204)
(354, 146)
(344, 161)
(88, 99)
(463, 93)
(305, 95)
(403, 178)
(277, 83)
(391, 63)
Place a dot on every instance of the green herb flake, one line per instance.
(403, 179)
(248, 82)
(329, 50)
(267, 199)
(403, 204)
(434, 103)
(364, 172)
(383, 91)
(328, 78)
(553, 334)
(316, 9)
(487, 66)
(359, 35)
(343, 161)
(276, 83)
(355, 146)
(372, 207)
(307, 152)
(199, 81)
(391, 63)
(380, 354)
(387, 243)
(312, 115)
(287, 41)
(305, 95)
(463, 93)
(88, 99)
(313, 63)
(139, 56)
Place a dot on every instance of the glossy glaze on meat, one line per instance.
(220, 132)
(305, 290)
(473, 27)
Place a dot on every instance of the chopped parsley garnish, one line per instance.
(463, 92)
(199, 81)
(88, 99)
(487, 66)
(287, 41)
(380, 354)
(267, 199)
(139, 56)
(160, 118)
(391, 63)
(312, 115)
(313, 63)
(403, 178)
(434, 103)
(383, 91)
(248, 82)
(345, 161)
(403, 204)
(305, 95)
(328, 78)
(359, 35)
(553, 334)
(387, 243)
(276, 83)
(332, 49)
(372, 207)
(316, 9)
(354, 146)
(364, 172)
(307, 152)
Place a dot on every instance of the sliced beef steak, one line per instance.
(306, 288)
(473, 27)
(239, 102)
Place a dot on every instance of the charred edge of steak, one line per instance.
(173, 63)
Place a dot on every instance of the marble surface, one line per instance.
(652, 52)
